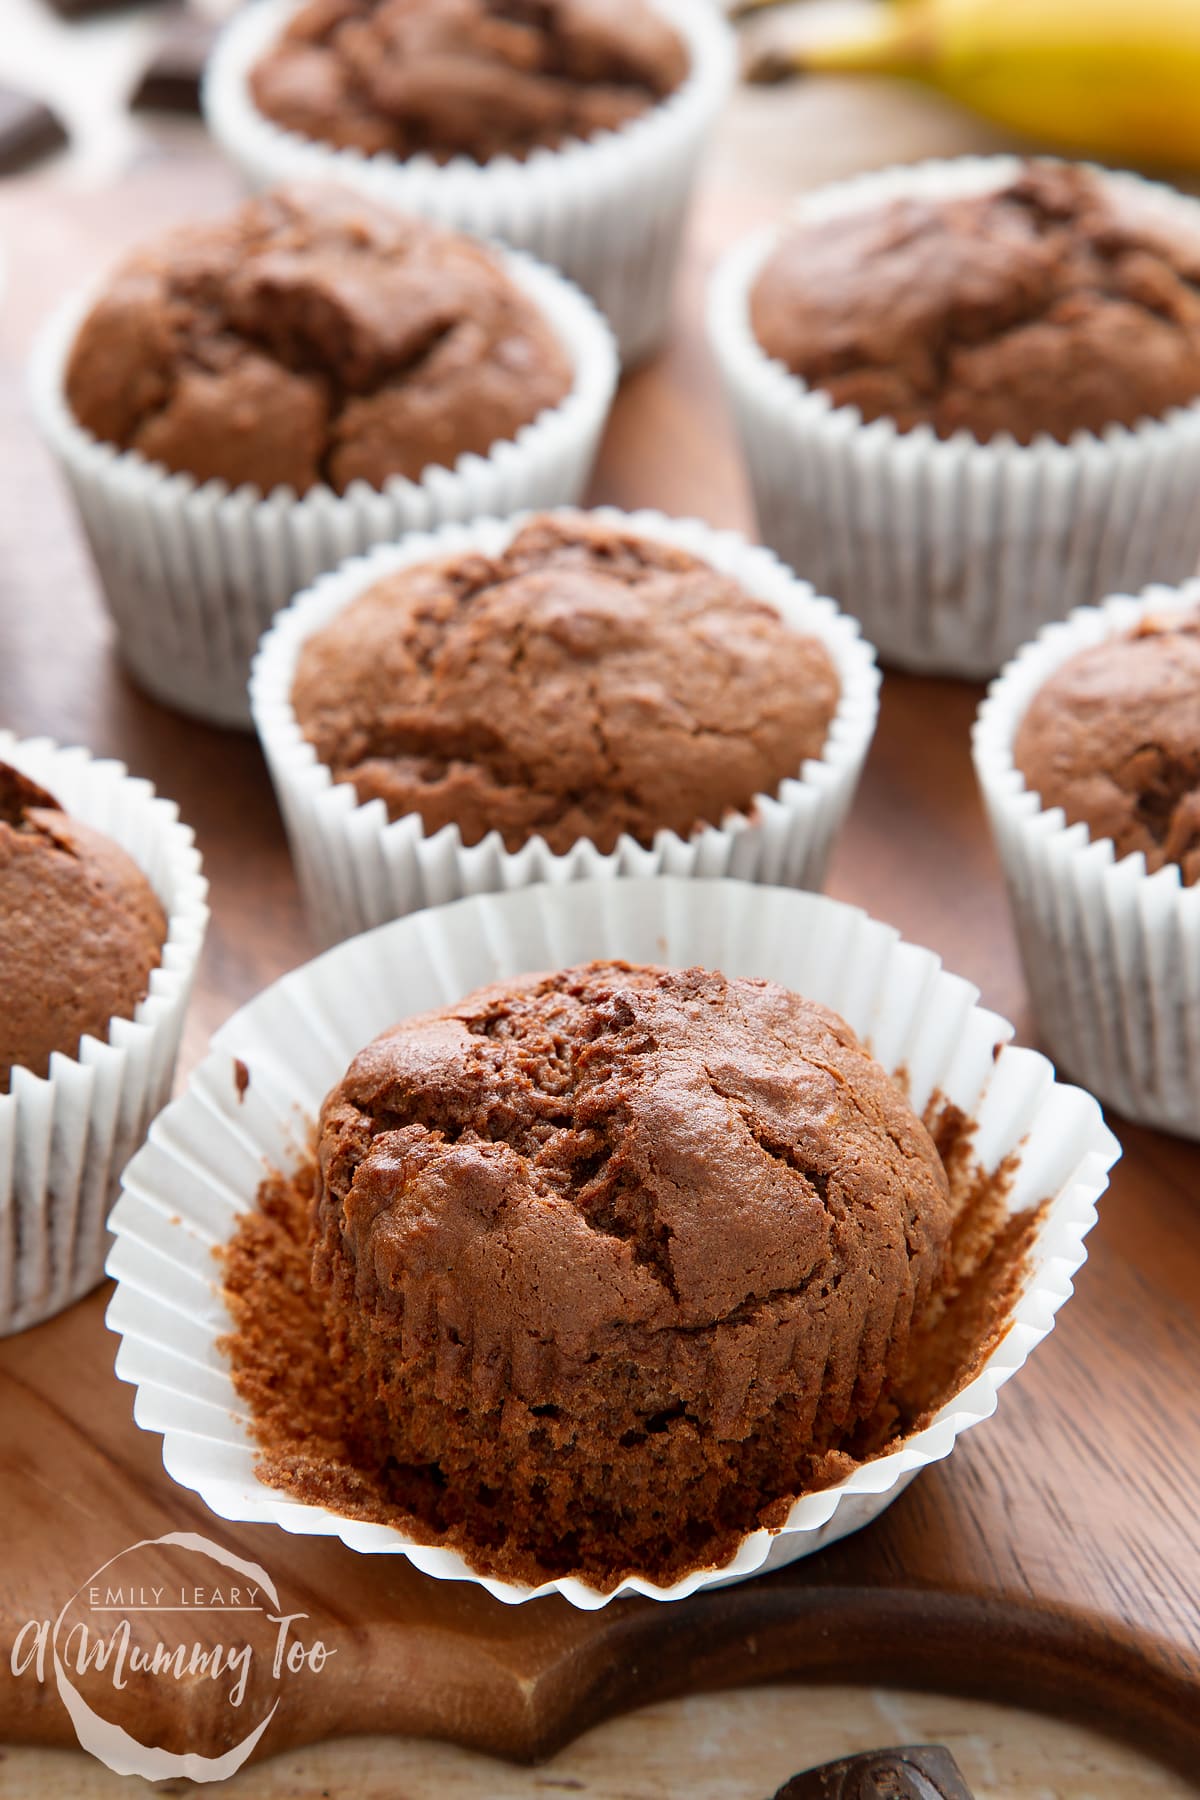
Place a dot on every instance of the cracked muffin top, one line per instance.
(312, 337)
(576, 1174)
(1113, 737)
(473, 78)
(1050, 305)
(82, 930)
(582, 684)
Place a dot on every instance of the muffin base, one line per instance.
(302, 1384)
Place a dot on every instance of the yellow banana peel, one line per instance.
(1118, 78)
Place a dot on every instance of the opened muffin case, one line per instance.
(207, 1155)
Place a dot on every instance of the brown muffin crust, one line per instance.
(310, 337)
(1113, 737)
(1050, 305)
(82, 930)
(473, 78)
(618, 1258)
(582, 684)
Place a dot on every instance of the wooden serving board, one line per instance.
(1054, 1560)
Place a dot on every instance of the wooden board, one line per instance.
(1054, 1560)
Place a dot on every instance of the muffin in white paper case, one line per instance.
(193, 572)
(357, 869)
(65, 1137)
(608, 211)
(952, 552)
(207, 1155)
(1111, 954)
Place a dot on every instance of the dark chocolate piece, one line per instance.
(170, 81)
(28, 129)
(18, 794)
(83, 9)
(917, 1772)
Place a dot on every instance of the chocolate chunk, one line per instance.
(83, 9)
(918, 1772)
(170, 81)
(18, 794)
(28, 129)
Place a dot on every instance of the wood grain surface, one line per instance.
(1053, 1560)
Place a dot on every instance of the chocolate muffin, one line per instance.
(1113, 737)
(473, 78)
(584, 683)
(312, 337)
(618, 1260)
(82, 930)
(1049, 305)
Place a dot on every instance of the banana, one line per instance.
(1118, 78)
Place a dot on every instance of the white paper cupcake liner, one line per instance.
(356, 869)
(65, 1137)
(1111, 954)
(193, 573)
(206, 1157)
(952, 552)
(609, 212)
